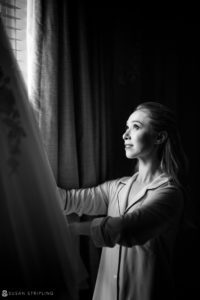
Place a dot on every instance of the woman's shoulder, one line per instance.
(118, 181)
(165, 181)
(115, 184)
(165, 187)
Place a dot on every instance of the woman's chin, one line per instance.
(130, 156)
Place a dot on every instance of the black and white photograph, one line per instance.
(99, 150)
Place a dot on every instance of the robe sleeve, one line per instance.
(154, 217)
(90, 201)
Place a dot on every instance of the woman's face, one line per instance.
(139, 137)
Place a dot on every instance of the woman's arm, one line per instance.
(80, 228)
(135, 228)
(90, 201)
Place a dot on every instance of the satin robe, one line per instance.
(137, 236)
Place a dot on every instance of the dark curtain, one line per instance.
(69, 92)
(68, 87)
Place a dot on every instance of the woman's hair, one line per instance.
(172, 157)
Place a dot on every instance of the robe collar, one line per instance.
(128, 181)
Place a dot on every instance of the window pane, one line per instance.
(14, 17)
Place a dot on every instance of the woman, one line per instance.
(143, 212)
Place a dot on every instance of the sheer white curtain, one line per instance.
(36, 246)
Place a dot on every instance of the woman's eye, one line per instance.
(136, 126)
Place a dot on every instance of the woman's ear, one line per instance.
(161, 137)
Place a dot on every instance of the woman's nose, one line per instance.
(126, 135)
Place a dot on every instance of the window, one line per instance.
(14, 16)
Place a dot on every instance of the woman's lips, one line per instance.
(127, 146)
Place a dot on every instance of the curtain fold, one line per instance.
(67, 88)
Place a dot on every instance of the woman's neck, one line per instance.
(148, 171)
